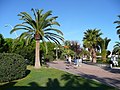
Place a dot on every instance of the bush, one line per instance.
(12, 67)
(28, 53)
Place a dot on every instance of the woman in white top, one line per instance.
(69, 59)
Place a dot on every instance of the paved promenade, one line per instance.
(105, 75)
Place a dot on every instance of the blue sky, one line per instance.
(75, 16)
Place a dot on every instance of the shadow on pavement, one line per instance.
(112, 70)
(112, 82)
(106, 67)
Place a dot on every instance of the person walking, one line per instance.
(115, 62)
(79, 61)
(69, 59)
(111, 61)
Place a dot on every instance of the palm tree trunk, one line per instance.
(37, 55)
(94, 60)
(90, 50)
(94, 56)
(104, 53)
(90, 58)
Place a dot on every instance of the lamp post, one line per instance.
(6, 25)
(56, 53)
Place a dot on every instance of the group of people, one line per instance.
(77, 60)
(113, 61)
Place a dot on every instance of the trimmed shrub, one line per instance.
(12, 67)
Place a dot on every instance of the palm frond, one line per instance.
(118, 22)
(55, 23)
(25, 16)
(15, 29)
(55, 35)
(52, 39)
(118, 31)
(48, 13)
(118, 26)
(44, 43)
(41, 24)
(23, 35)
(29, 38)
(25, 26)
(53, 29)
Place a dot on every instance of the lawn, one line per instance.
(53, 79)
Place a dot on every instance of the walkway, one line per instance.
(106, 76)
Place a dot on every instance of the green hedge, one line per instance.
(12, 67)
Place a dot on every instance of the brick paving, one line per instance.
(104, 75)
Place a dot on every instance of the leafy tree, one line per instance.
(90, 41)
(68, 52)
(103, 43)
(2, 41)
(9, 43)
(75, 46)
(118, 27)
(26, 51)
(50, 54)
(72, 45)
(67, 43)
(65, 50)
(3, 44)
(38, 28)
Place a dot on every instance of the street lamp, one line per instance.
(6, 25)
(56, 53)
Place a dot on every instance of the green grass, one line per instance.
(52, 79)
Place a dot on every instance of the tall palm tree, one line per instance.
(116, 49)
(90, 41)
(103, 43)
(38, 28)
(118, 27)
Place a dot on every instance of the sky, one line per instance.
(74, 16)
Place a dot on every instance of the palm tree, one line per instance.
(103, 43)
(118, 27)
(116, 49)
(90, 41)
(84, 53)
(38, 28)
